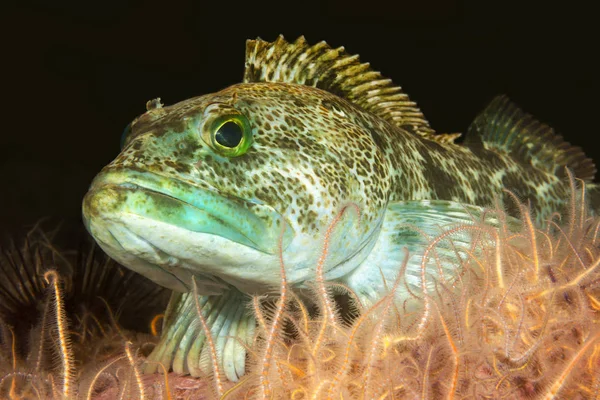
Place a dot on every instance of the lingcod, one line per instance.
(211, 191)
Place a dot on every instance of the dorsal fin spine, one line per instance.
(345, 61)
(338, 72)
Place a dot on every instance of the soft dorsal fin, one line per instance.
(338, 72)
(503, 126)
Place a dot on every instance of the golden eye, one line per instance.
(231, 135)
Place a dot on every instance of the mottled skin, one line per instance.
(312, 153)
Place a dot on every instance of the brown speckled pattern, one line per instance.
(314, 151)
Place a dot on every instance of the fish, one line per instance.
(210, 192)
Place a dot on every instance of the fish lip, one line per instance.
(149, 182)
(129, 183)
(135, 186)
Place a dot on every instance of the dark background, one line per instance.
(74, 73)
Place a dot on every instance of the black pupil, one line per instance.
(229, 134)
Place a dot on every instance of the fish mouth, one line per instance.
(156, 225)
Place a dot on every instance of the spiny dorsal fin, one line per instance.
(503, 126)
(338, 72)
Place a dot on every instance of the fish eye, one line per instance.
(230, 135)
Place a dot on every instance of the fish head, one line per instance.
(218, 187)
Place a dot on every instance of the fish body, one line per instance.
(210, 189)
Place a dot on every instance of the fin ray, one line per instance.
(182, 344)
(404, 226)
(503, 126)
(338, 72)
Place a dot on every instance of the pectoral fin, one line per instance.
(183, 345)
(412, 225)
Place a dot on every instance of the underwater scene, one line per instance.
(306, 234)
(212, 200)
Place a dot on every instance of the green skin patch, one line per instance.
(208, 188)
(118, 198)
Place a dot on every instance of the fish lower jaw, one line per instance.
(193, 207)
(171, 256)
(135, 253)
